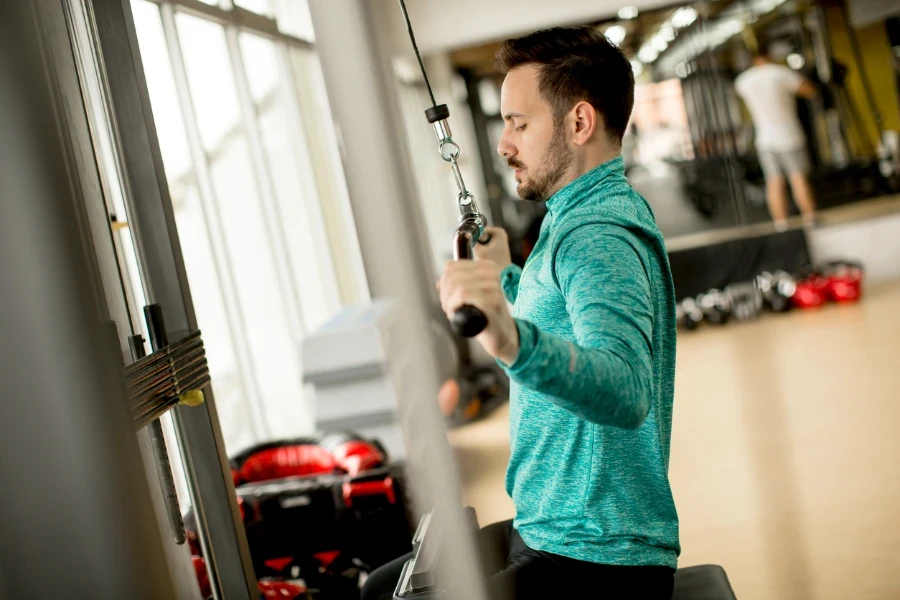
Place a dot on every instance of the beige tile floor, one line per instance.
(785, 452)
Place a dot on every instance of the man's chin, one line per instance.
(528, 194)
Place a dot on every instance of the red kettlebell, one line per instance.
(352, 453)
(812, 291)
(202, 576)
(280, 590)
(286, 461)
(844, 281)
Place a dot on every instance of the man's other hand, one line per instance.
(448, 397)
(496, 250)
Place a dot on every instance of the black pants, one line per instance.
(516, 572)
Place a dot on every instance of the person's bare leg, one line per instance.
(803, 195)
(776, 196)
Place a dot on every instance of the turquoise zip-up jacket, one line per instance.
(593, 383)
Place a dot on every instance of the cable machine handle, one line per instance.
(468, 321)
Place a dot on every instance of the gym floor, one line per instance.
(785, 452)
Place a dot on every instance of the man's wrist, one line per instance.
(510, 351)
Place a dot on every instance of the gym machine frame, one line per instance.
(152, 223)
(420, 578)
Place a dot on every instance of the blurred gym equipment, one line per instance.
(716, 306)
(320, 512)
(777, 289)
(351, 363)
(835, 281)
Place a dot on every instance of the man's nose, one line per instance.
(504, 148)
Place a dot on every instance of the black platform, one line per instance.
(699, 269)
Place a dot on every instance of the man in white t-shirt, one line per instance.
(770, 90)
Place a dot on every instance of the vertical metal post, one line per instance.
(396, 255)
(77, 519)
(161, 456)
(153, 223)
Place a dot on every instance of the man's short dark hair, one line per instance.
(576, 64)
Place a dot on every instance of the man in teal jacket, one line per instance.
(590, 343)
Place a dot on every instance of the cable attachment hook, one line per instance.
(449, 150)
(468, 209)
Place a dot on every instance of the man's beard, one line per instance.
(553, 166)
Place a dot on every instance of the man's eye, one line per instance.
(520, 127)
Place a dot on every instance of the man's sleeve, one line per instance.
(605, 376)
(792, 79)
(509, 280)
(739, 85)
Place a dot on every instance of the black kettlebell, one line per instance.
(691, 314)
(777, 290)
(715, 306)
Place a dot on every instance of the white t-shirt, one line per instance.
(770, 93)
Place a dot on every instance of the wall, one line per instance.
(873, 242)
(866, 12)
(876, 52)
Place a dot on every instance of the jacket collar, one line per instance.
(602, 176)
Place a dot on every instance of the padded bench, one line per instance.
(703, 582)
(418, 578)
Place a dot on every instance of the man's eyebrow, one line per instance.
(509, 116)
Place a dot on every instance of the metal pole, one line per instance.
(396, 257)
(77, 519)
(152, 221)
(161, 456)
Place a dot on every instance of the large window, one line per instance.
(257, 189)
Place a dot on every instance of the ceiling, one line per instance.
(479, 58)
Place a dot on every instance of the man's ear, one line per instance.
(587, 122)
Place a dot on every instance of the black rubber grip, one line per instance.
(468, 321)
(437, 113)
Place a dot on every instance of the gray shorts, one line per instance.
(779, 164)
